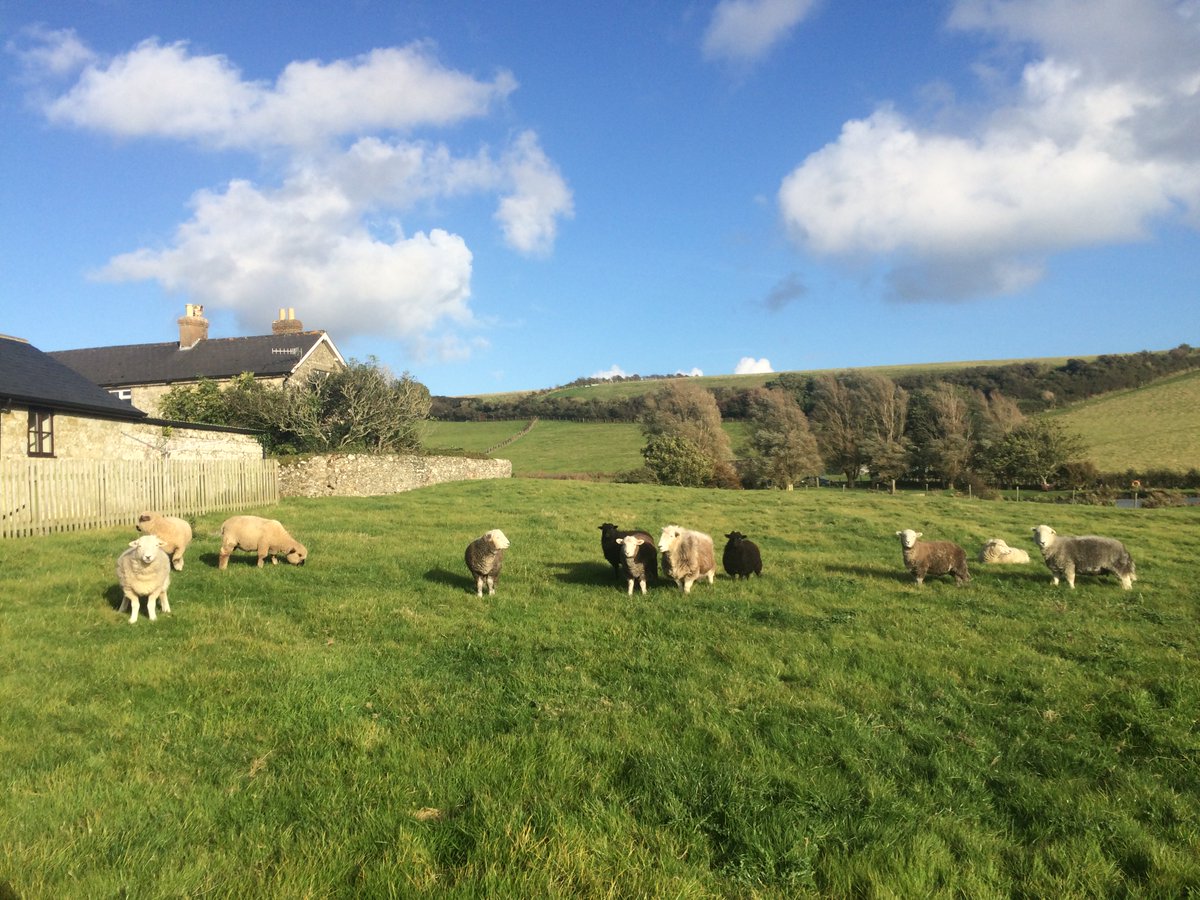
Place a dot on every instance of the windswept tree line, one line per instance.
(858, 424)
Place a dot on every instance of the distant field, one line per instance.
(1152, 427)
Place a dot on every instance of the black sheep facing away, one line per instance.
(741, 557)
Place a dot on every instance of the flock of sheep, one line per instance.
(687, 556)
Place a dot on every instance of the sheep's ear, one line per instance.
(920, 534)
(899, 533)
(161, 542)
(641, 541)
(133, 543)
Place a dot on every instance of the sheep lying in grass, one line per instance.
(175, 533)
(144, 570)
(933, 557)
(614, 551)
(687, 556)
(997, 551)
(266, 537)
(638, 559)
(741, 558)
(1067, 556)
(484, 557)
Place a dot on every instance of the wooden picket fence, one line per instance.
(41, 496)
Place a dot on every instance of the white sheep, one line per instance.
(175, 533)
(933, 557)
(484, 557)
(687, 556)
(637, 560)
(144, 570)
(997, 551)
(267, 537)
(1067, 556)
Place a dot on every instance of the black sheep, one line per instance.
(741, 557)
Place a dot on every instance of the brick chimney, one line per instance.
(287, 325)
(193, 327)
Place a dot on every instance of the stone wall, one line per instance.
(365, 475)
(81, 437)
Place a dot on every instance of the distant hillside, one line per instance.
(1157, 426)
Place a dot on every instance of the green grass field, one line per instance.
(366, 726)
(1157, 426)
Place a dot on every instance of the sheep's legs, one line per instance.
(131, 602)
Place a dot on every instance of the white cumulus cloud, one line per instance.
(342, 169)
(1084, 155)
(692, 373)
(748, 365)
(746, 30)
(614, 372)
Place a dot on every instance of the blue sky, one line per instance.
(504, 196)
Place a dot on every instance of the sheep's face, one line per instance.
(497, 539)
(630, 544)
(148, 548)
(669, 536)
(143, 522)
(297, 555)
(1044, 536)
(735, 537)
(908, 537)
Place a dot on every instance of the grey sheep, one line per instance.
(741, 558)
(933, 557)
(635, 565)
(144, 570)
(1067, 556)
(484, 557)
(614, 551)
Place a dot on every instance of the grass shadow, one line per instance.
(885, 574)
(113, 596)
(587, 573)
(452, 579)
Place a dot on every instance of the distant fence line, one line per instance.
(42, 496)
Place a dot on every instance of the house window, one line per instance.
(41, 432)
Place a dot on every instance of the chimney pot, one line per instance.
(193, 327)
(287, 323)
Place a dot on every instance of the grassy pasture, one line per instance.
(366, 726)
(1152, 427)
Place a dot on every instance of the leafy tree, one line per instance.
(782, 448)
(690, 412)
(884, 411)
(1034, 451)
(676, 460)
(837, 426)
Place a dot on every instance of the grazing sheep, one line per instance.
(636, 562)
(144, 570)
(1067, 556)
(933, 557)
(614, 551)
(484, 557)
(175, 533)
(267, 537)
(687, 556)
(997, 551)
(741, 557)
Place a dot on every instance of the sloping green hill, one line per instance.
(1157, 426)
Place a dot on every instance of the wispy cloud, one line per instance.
(784, 292)
(744, 31)
(1092, 151)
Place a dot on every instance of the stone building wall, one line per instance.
(79, 437)
(365, 475)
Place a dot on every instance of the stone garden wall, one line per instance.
(365, 475)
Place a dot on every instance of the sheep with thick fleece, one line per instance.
(484, 557)
(266, 537)
(741, 558)
(1067, 556)
(933, 557)
(614, 551)
(144, 570)
(636, 562)
(997, 551)
(687, 556)
(175, 533)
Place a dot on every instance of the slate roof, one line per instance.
(268, 355)
(29, 377)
